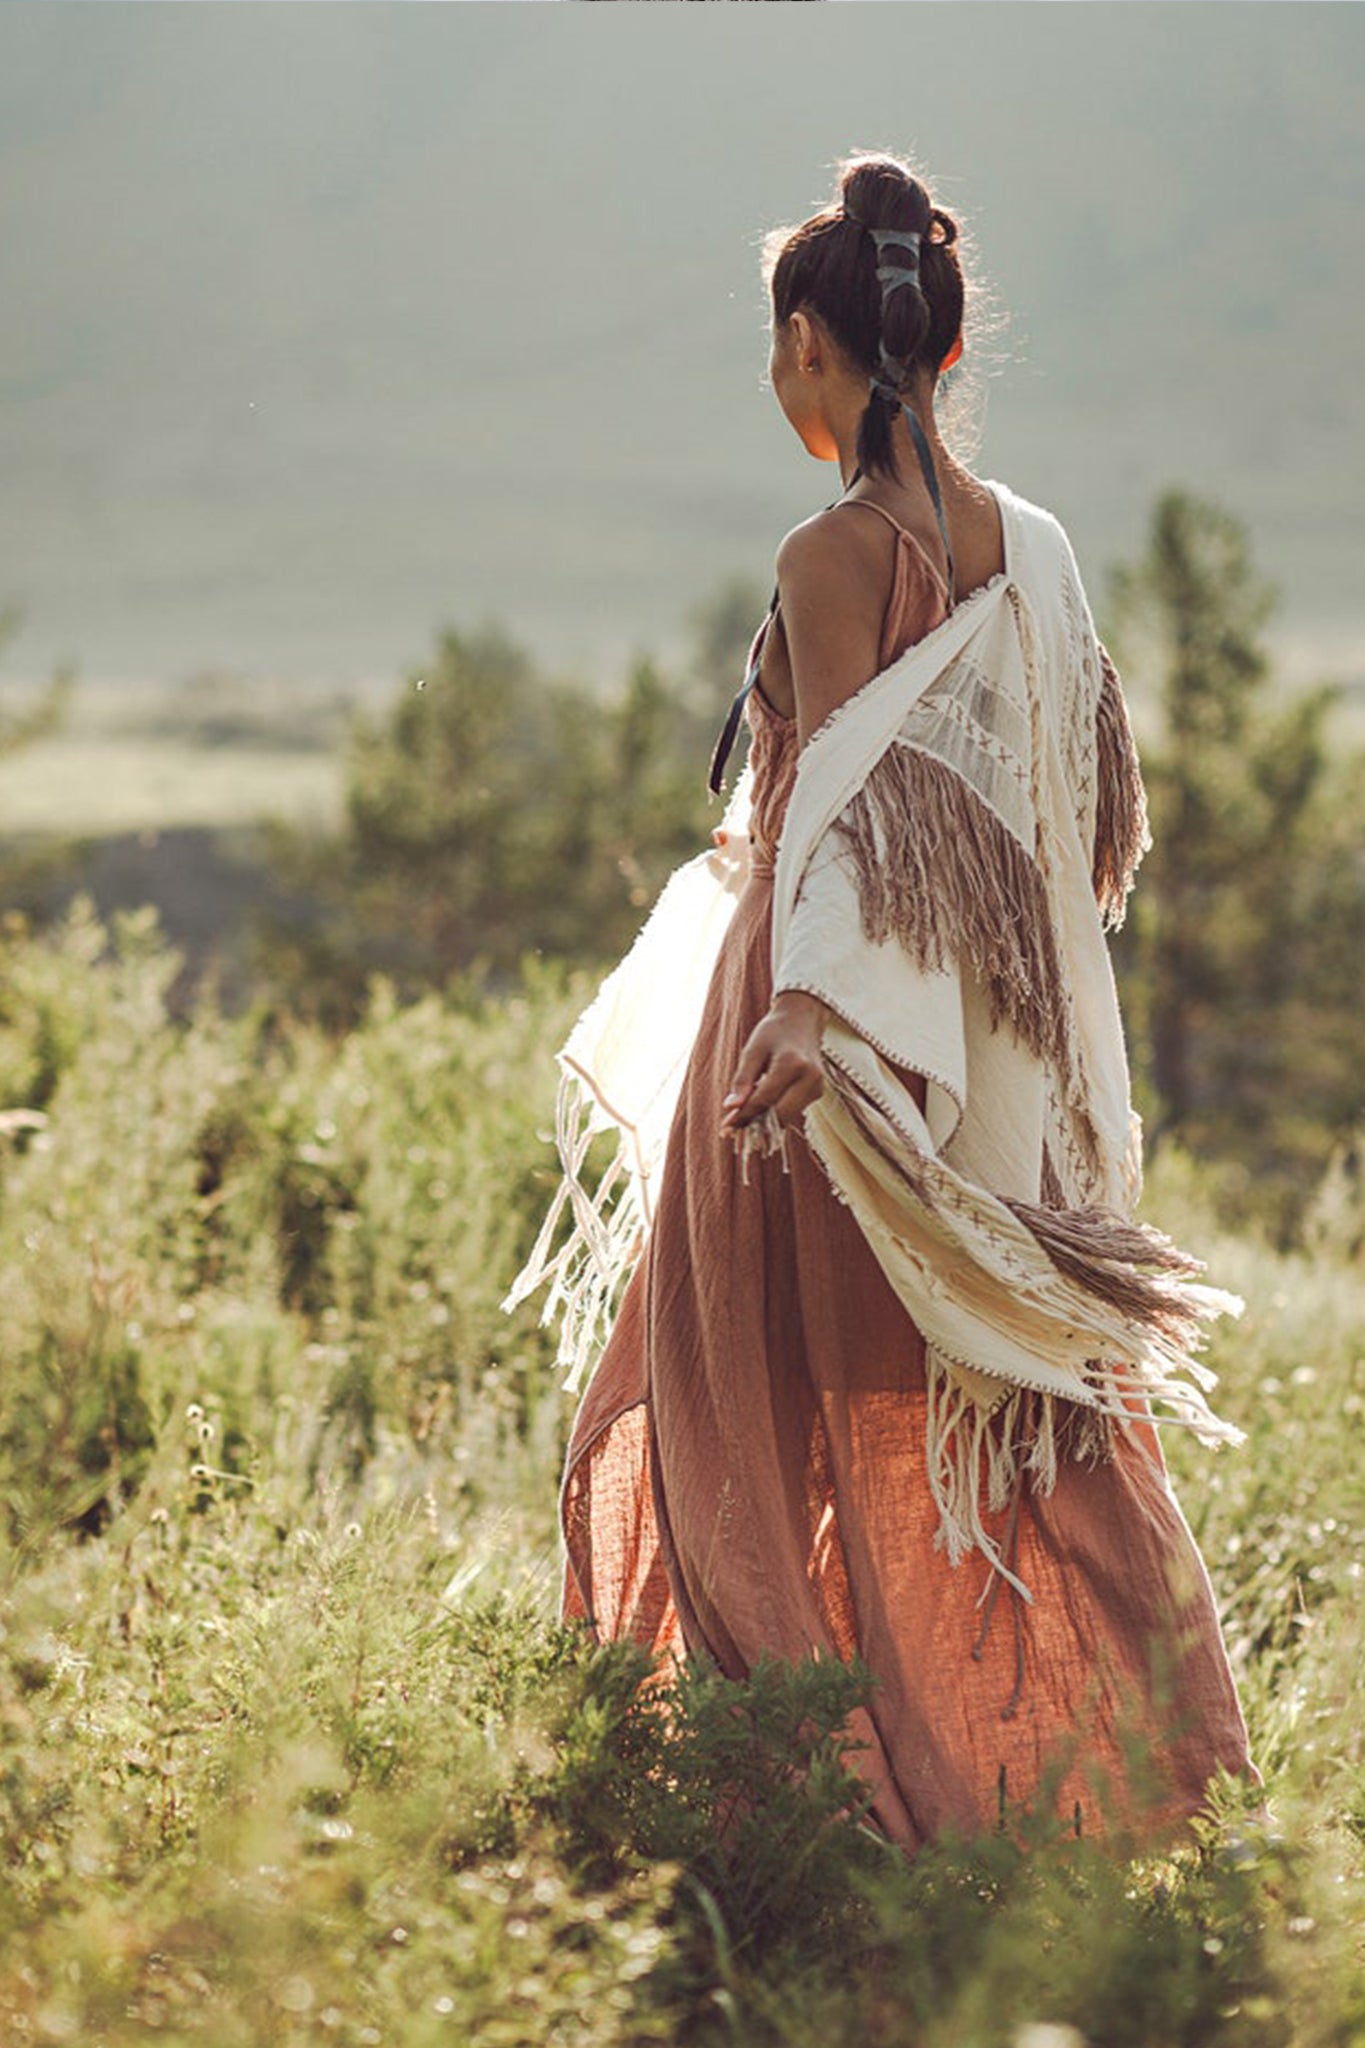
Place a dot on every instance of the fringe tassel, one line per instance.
(1021, 1440)
(1094, 1437)
(938, 870)
(1051, 1191)
(1103, 1252)
(589, 1268)
(957, 1432)
(609, 1224)
(1094, 1254)
(767, 1136)
(1122, 831)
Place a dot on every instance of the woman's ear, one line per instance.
(805, 339)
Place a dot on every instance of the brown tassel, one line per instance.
(938, 870)
(1102, 1251)
(1051, 1191)
(1122, 833)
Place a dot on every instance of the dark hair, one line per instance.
(828, 265)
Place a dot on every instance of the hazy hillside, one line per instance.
(327, 324)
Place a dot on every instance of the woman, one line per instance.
(884, 1295)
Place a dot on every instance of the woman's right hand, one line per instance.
(780, 1067)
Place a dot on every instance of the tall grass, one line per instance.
(292, 1746)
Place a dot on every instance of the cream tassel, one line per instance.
(766, 1136)
(1001, 1454)
(588, 1269)
(956, 1431)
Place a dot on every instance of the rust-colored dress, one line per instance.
(747, 1468)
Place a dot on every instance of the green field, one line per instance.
(106, 786)
(204, 753)
(292, 1748)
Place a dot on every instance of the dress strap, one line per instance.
(729, 731)
(901, 532)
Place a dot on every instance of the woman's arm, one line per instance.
(831, 587)
(831, 592)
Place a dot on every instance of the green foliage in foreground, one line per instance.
(292, 1746)
(270, 1775)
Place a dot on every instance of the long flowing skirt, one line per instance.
(747, 1473)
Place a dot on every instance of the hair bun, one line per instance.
(881, 192)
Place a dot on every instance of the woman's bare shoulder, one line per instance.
(817, 555)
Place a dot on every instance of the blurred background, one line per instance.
(391, 481)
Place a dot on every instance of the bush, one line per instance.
(292, 1744)
(233, 1211)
